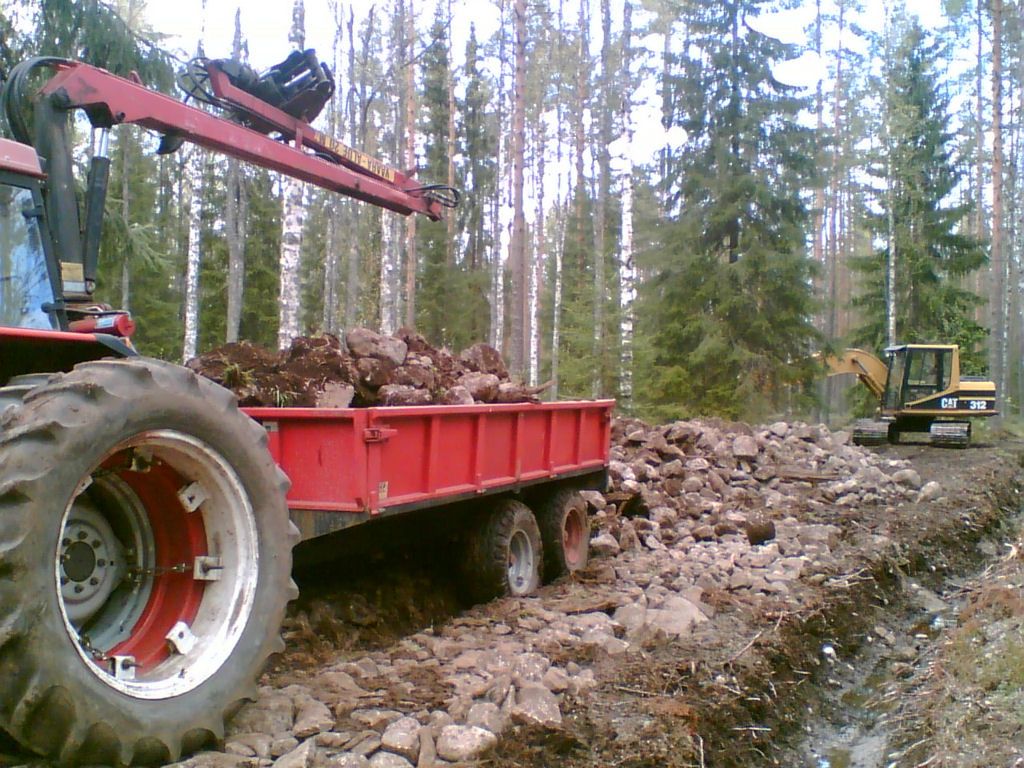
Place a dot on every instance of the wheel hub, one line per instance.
(91, 562)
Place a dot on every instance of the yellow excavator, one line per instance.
(920, 389)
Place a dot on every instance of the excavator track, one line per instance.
(951, 434)
(870, 432)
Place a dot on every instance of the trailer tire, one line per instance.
(146, 562)
(504, 553)
(565, 533)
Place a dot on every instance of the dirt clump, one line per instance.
(363, 369)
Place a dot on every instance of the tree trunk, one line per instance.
(390, 272)
(517, 250)
(536, 274)
(292, 220)
(194, 258)
(411, 257)
(627, 267)
(604, 138)
(1000, 271)
(235, 222)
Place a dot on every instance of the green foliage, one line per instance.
(932, 251)
(730, 303)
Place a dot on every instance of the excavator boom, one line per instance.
(868, 368)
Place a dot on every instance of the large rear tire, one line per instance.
(146, 562)
(504, 553)
(565, 532)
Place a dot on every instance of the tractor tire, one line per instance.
(565, 533)
(504, 555)
(146, 558)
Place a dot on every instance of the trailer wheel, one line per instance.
(565, 531)
(504, 553)
(146, 562)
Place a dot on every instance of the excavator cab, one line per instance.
(916, 373)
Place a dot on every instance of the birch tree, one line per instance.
(236, 212)
(627, 266)
(517, 249)
(293, 217)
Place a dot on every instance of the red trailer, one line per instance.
(351, 465)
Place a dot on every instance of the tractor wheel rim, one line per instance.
(161, 544)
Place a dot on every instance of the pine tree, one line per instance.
(923, 229)
(730, 304)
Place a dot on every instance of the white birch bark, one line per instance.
(289, 293)
(390, 272)
(627, 285)
(193, 260)
(627, 266)
(292, 220)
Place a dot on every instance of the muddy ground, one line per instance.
(906, 637)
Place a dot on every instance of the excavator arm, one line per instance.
(868, 368)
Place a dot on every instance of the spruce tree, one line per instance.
(916, 213)
(730, 302)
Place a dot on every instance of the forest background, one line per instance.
(693, 272)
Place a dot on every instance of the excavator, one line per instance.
(145, 542)
(919, 389)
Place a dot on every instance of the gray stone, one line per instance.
(375, 718)
(556, 680)
(300, 757)
(605, 544)
(390, 349)
(676, 616)
(457, 395)
(272, 713)
(530, 667)
(745, 447)
(427, 756)
(389, 760)
(282, 745)
(628, 538)
(536, 705)
(929, 491)
(311, 717)
(402, 737)
(487, 714)
(346, 760)
(361, 341)
(457, 743)
(908, 478)
(482, 386)
(215, 760)
(259, 743)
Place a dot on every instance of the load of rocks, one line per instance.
(695, 510)
(366, 369)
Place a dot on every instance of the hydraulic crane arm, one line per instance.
(110, 100)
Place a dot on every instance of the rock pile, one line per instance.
(695, 510)
(367, 369)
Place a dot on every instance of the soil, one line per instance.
(852, 666)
